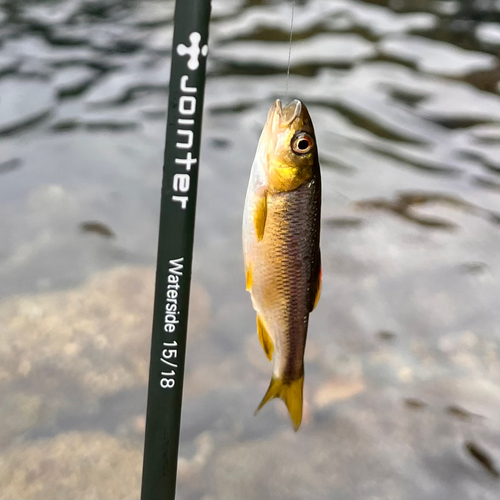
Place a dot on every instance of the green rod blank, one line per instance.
(175, 249)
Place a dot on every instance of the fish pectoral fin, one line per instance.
(249, 277)
(265, 339)
(316, 283)
(290, 393)
(260, 214)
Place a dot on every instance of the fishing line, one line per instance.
(289, 52)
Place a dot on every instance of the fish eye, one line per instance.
(302, 143)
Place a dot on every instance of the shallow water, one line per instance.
(402, 363)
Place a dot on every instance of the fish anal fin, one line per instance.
(265, 339)
(290, 393)
(249, 277)
(260, 215)
(317, 278)
(318, 290)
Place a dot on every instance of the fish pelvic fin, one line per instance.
(290, 393)
(265, 339)
(249, 278)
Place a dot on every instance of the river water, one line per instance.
(402, 398)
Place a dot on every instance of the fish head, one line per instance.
(289, 146)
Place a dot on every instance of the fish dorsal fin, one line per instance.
(265, 339)
(260, 214)
(316, 279)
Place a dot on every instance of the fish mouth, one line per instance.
(289, 113)
(279, 119)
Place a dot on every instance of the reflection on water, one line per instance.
(402, 363)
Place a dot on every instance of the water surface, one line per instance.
(402, 382)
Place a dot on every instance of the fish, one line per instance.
(281, 246)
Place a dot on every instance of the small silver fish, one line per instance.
(281, 233)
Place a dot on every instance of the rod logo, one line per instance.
(193, 51)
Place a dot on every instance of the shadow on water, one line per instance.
(10, 165)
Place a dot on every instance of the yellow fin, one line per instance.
(265, 339)
(290, 393)
(317, 277)
(260, 215)
(249, 278)
(318, 291)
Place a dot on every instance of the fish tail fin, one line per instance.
(290, 393)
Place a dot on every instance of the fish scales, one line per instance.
(282, 276)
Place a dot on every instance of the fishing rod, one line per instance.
(175, 248)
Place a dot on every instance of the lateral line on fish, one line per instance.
(289, 52)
